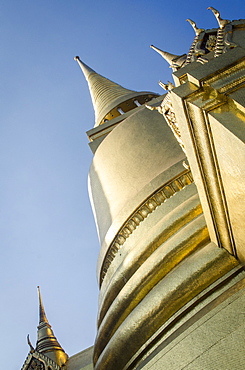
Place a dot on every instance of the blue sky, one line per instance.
(47, 232)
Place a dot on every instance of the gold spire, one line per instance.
(175, 61)
(107, 96)
(42, 315)
(46, 341)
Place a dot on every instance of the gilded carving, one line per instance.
(211, 42)
(166, 109)
(154, 200)
(36, 365)
(195, 49)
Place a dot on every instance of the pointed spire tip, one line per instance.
(42, 315)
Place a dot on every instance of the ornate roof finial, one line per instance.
(197, 30)
(175, 61)
(222, 22)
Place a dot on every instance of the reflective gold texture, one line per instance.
(158, 235)
(212, 128)
(159, 264)
(150, 204)
(177, 288)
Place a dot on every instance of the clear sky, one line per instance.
(47, 232)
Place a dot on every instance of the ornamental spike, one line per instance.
(195, 28)
(222, 22)
(175, 61)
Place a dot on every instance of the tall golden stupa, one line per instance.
(167, 187)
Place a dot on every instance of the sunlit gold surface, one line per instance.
(169, 295)
(159, 264)
(150, 204)
(117, 167)
(160, 256)
(212, 128)
(162, 230)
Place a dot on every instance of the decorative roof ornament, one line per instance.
(166, 109)
(207, 44)
(195, 49)
(168, 86)
(193, 24)
(175, 61)
(222, 22)
(224, 33)
(30, 345)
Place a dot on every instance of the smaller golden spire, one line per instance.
(47, 343)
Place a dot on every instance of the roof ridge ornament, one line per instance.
(168, 86)
(224, 33)
(195, 49)
(214, 42)
(175, 61)
(195, 28)
(222, 22)
(32, 349)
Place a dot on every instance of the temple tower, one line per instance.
(167, 189)
(158, 269)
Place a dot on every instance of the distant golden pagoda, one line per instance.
(48, 354)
